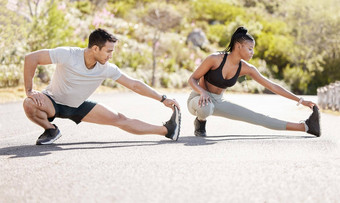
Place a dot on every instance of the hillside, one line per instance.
(296, 41)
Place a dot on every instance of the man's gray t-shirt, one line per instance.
(72, 82)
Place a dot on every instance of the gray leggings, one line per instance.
(220, 107)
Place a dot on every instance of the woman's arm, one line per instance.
(202, 69)
(193, 80)
(275, 88)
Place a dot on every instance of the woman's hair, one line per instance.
(99, 37)
(240, 35)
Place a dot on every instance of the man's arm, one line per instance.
(143, 89)
(32, 60)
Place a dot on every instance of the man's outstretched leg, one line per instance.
(101, 115)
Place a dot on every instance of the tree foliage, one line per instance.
(49, 28)
(296, 41)
(161, 17)
(12, 32)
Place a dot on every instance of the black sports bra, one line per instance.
(215, 77)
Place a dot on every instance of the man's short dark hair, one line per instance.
(99, 37)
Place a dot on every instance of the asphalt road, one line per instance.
(237, 162)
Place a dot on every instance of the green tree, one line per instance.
(12, 32)
(161, 17)
(49, 28)
(215, 11)
(12, 40)
(316, 29)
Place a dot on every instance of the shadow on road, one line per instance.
(194, 141)
(43, 150)
(259, 137)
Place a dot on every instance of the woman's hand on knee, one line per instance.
(204, 99)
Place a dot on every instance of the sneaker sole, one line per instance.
(178, 127)
(318, 118)
(51, 141)
(199, 135)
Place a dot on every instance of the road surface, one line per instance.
(237, 162)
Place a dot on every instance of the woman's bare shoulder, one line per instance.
(247, 68)
(217, 54)
(216, 57)
(247, 65)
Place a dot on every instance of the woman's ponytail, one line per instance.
(241, 34)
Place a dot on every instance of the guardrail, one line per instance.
(329, 96)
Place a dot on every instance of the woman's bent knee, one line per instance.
(202, 112)
(205, 111)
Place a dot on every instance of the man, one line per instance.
(78, 73)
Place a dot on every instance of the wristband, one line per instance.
(300, 101)
(163, 98)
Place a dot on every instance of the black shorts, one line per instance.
(75, 114)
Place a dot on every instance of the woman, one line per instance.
(220, 71)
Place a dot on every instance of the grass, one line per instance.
(328, 111)
(12, 94)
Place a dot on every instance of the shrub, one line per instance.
(10, 75)
(131, 54)
(49, 31)
(297, 79)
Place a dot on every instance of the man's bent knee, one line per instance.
(29, 106)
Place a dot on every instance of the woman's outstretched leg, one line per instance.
(236, 112)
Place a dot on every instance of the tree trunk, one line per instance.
(154, 55)
(153, 64)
